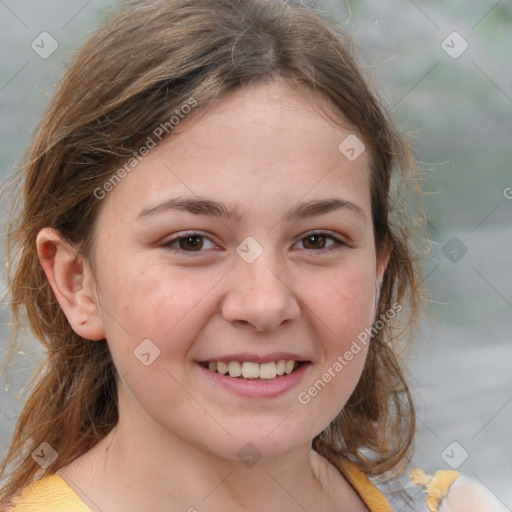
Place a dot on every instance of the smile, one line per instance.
(250, 379)
(251, 370)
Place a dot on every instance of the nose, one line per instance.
(259, 296)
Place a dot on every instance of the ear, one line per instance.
(72, 283)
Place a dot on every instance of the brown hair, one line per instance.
(128, 78)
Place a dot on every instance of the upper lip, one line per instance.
(256, 358)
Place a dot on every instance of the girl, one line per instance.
(211, 248)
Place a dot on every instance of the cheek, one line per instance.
(156, 303)
(344, 302)
(343, 307)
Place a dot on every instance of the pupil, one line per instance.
(316, 237)
(187, 240)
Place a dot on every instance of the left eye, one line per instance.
(194, 242)
(321, 238)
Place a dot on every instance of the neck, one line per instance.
(129, 472)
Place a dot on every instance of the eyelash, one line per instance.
(338, 244)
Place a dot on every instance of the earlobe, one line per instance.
(72, 283)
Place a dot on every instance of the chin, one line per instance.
(250, 444)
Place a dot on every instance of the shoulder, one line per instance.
(413, 491)
(48, 494)
(445, 491)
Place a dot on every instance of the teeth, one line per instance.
(268, 370)
(222, 368)
(251, 370)
(235, 369)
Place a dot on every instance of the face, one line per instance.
(184, 288)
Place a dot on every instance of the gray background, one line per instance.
(457, 112)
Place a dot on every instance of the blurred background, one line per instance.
(444, 70)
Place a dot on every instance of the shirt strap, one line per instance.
(372, 497)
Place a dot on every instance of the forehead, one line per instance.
(262, 146)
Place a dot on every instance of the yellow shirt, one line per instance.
(51, 493)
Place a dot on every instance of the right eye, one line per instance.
(190, 242)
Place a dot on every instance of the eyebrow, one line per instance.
(206, 206)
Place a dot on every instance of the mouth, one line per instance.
(252, 371)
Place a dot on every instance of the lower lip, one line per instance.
(258, 388)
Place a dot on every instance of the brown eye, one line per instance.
(189, 243)
(192, 242)
(318, 242)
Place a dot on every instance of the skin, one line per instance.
(266, 147)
